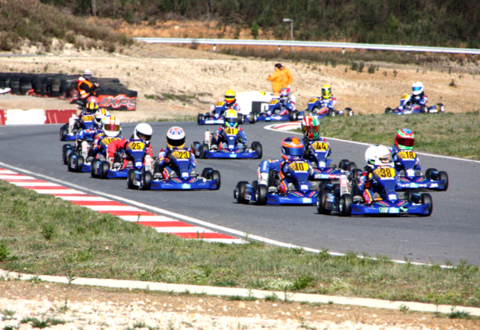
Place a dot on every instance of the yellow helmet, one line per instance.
(92, 106)
(326, 91)
(230, 118)
(230, 97)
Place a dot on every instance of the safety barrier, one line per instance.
(34, 116)
(58, 116)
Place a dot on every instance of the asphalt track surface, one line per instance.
(451, 233)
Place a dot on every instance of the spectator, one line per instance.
(278, 78)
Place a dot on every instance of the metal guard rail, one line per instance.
(280, 43)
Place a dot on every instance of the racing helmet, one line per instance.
(292, 149)
(230, 118)
(311, 127)
(175, 137)
(230, 97)
(326, 91)
(91, 107)
(93, 98)
(417, 88)
(87, 74)
(284, 94)
(378, 155)
(404, 139)
(111, 126)
(100, 114)
(143, 131)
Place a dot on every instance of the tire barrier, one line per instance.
(35, 116)
(114, 96)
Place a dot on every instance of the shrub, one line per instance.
(4, 252)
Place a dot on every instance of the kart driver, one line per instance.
(292, 150)
(111, 128)
(404, 141)
(142, 132)
(286, 101)
(418, 97)
(328, 100)
(229, 103)
(311, 134)
(175, 141)
(85, 87)
(230, 121)
(74, 122)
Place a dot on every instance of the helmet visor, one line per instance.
(175, 143)
(404, 141)
(326, 92)
(313, 128)
(231, 122)
(112, 127)
(417, 89)
(295, 152)
(144, 136)
(386, 159)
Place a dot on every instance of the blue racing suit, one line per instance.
(281, 167)
(395, 151)
(164, 164)
(412, 100)
(220, 136)
(306, 144)
(221, 106)
(282, 105)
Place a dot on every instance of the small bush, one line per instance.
(4, 252)
(354, 66)
(452, 83)
(48, 230)
(371, 69)
(302, 282)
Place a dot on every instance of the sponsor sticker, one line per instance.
(413, 185)
(185, 174)
(304, 187)
(434, 185)
(306, 200)
(383, 210)
(392, 196)
(233, 155)
(186, 186)
(393, 210)
(330, 199)
(138, 164)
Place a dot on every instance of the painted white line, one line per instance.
(84, 199)
(57, 191)
(145, 218)
(7, 172)
(112, 208)
(222, 240)
(7, 177)
(272, 128)
(35, 184)
(193, 230)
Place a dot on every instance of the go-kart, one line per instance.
(318, 107)
(215, 117)
(136, 149)
(181, 177)
(409, 178)
(85, 122)
(383, 201)
(300, 191)
(232, 148)
(275, 112)
(323, 167)
(408, 109)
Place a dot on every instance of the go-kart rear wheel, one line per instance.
(332, 113)
(261, 194)
(239, 193)
(145, 180)
(104, 167)
(93, 172)
(199, 119)
(321, 201)
(344, 164)
(428, 173)
(131, 179)
(203, 149)
(345, 206)
(348, 112)
(80, 162)
(63, 132)
(293, 115)
(196, 148)
(442, 175)
(355, 174)
(256, 146)
(65, 148)
(336, 189)
(206, 173)
(388, 110)
(240, 119)
(427, 199)
(215, 175)
(72, 161)
(440, 108)
(252, 118)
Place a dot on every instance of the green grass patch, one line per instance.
(451, 134)
(88, 244)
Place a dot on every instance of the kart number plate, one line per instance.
(306, 200)
(385, 172)
(231, 131)
(181, 154)
(233, 155)
(219, 104)
(320, 146)
(299, 166)
(273, 102)
(304, 187)
(136, 146)
(138, 164)
(107, 141)
(407, 154)
(87, 118)
(405, 97)
(312, 100)
(186, 186)
(321, 176)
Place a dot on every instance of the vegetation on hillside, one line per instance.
(429, 22)
(39, 24)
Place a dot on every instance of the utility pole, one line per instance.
(288, 20)
(94, 7)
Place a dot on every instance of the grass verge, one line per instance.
(40, 234)
(451, 134)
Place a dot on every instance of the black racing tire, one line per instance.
(352, 166)
(80, 162)
(428, 172)
(441, 108)
(252, 119)
(348, 112)
(63, 132)
(146, 180)
(93, 167)
(408, 195)
(206, 173)
(346, 205)
(388, 110)
(104, 167)
(356, 173)
(203, 149)
(240, 192)
(131, 179)
(427, 199)
(199, 119)
(321, 200)
(215, 175)
(336, 189)
(344, 164)
(71, 161)
(332, 113)
(195, 148)
(442, 175)
(293, 115)
(257, 146)
(240, 119)
(64, 153)
(261, 194)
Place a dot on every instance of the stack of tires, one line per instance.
(114, 96)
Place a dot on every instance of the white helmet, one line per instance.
(378, 155)
(143, 131)
(111, 126)
(175, 137)
(417, 88)
(87, 73)
(100, 114)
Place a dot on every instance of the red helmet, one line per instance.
(311, 127)
(292, 148)
(404, 139)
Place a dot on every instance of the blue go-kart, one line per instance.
(85, 122)
(409, 178)
(323, 167)
(317, 106)
(276, 112)
(408, 109)
(300, 191)
(215, 117)
(231, 149)
(385, 200)
(181, 177)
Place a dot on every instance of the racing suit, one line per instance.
(307, 154)
(412, 100)
(116, 145)
(223, 106)
(85, 139)
(219, 137)
(97, 144)
(163, 165)
(75, 122)
(283, 106)
(279, 166)
(329, 103)
(366, 187)
(395, 151)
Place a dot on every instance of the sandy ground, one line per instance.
(184, 81)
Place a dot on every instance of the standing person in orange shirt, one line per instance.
(288, 75)
(278, 79)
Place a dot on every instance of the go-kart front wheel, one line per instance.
(203, 149)
(96, 163)
(321, 201)
(252, 118)
(206, 172)
(256, 146)
(442, 175)
(293, 115)
(199, 119)
(63, 132)
(388, 110)
(215, 175)
(131, 179)
(348, 112)
(261, 194)
(427, 199)
(345, 206)
(240, 192)
(332, 113)
(104, 167)
(145, 180)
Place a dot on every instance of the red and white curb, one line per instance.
(160, 223)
